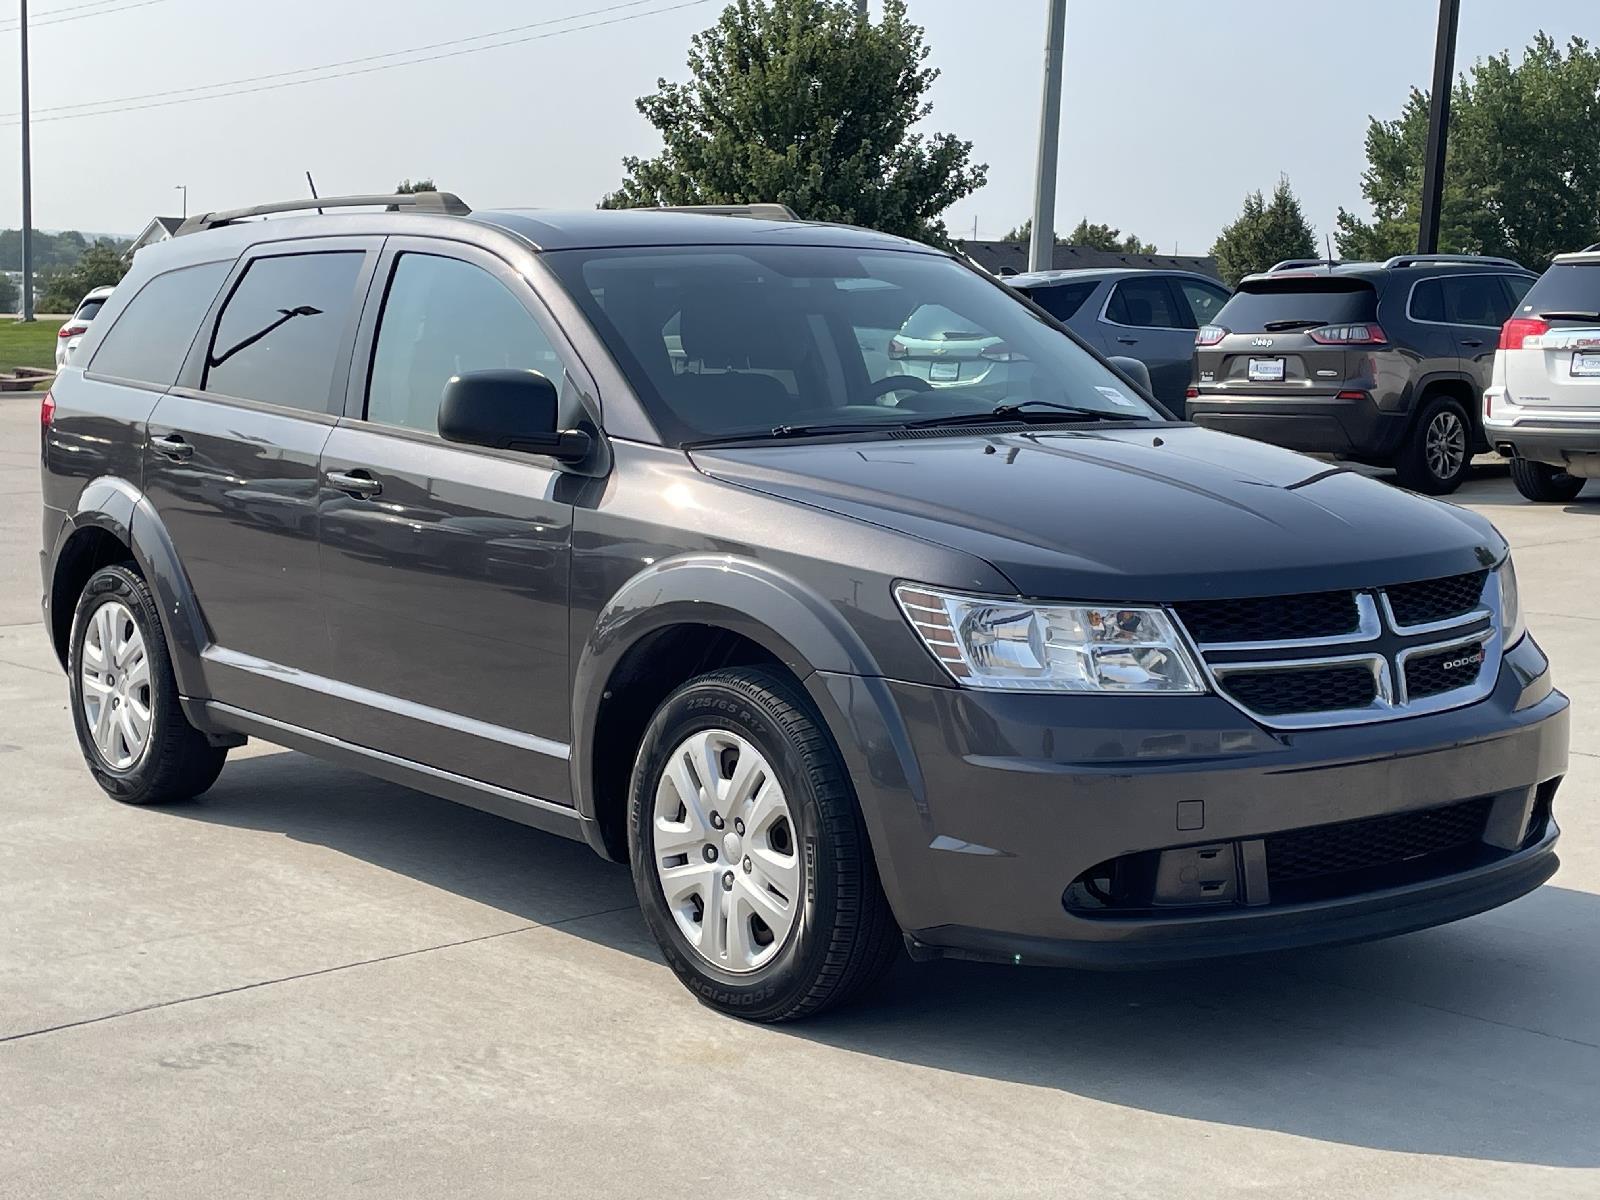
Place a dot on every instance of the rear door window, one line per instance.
(283, 328)
(1266, 305)
(1145, 303)
(1427, 301)
(1062, 301)
(1475, 300)
(1565, 288)
(148, 342)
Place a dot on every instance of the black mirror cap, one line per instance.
(508, 409)
(1133, 370)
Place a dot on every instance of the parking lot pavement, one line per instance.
(310, 983)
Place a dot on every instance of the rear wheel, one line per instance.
(749, 853)
(135, 739)
(1438, 451)
(1543, 483)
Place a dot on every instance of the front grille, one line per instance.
(1324, 850)
(1272, 618)
(1443, 671)
(1436, 599)
(1309, 690)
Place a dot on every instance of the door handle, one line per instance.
(1128, 341)
(172, 446)
(355, 483)
(1473, 342)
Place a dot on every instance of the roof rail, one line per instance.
(1411, 260)
(762, 212)
(426, 202)
(1292, 264)
(1590, 249)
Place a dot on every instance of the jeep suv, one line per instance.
(606, 523)
(1382, 363)
(1543, 408)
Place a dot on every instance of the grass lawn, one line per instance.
(32, 345)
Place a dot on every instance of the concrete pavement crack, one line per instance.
(261, 983)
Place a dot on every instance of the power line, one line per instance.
(349, 62)
(270, 87)
(101, 11)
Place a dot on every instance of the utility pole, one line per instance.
(184, 188)
(1041, 251)
(27, 181)
(1444, 71)
(861, 9)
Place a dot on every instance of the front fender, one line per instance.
(122, 510)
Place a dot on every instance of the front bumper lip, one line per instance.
(1145, 942)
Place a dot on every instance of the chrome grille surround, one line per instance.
(1379, 643)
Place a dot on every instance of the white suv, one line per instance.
(1542, 409)
(70, 334)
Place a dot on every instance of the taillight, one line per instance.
(1366, 334)
(1209, 335)
(1000, 352)
(897, 348)
(1519, 329)
(47, 411)
(69, 331)
(1191, 392)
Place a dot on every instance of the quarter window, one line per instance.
(1144, 302)
(1062, 300)
(1204, 301)
(280, 333)
(444, 317)
(151, 338)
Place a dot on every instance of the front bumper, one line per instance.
(985, 808)
(1353, 427)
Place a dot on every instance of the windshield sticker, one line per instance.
(1116, 397)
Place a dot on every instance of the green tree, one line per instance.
(1522, 174)
(101, 265)
(10, 294)
(1096, 237)
(408, 187)
(805, 103)
(1264, 233)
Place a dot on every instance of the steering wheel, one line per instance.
(897, 383)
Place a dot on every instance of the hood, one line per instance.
(1155, 513)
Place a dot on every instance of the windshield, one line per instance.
(1564, 288)
(728, 340)
(1260, 305)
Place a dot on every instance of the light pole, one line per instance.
(184, 188)
(27, 181)
(1041, 251)
(1444, 70)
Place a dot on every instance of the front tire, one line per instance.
(1543, 483)
(1438, 450)
(749, 853)
(137, 742)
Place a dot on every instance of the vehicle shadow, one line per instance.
(1479, 1040)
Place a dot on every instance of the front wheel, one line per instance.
(1438, 451)
(135, 739)
(1543, 483)
(749, 853)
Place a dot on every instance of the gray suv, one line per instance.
(605, 522)
(1383, 363)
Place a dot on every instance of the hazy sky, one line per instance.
(1172, 109)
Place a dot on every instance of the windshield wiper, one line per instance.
(1281, 326)
(1004, 412)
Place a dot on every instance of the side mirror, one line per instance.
(508, 410)
(1132, 369)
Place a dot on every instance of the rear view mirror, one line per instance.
(508, 410)
(1132, 370)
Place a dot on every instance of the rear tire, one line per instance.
(1543, 483)
(760, 888)
(137, 742)
(1438, 450)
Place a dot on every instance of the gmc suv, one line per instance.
(606, 522)
(1382, 363)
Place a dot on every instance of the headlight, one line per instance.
(1009, 646)
(1511, 623)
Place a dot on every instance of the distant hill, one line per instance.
(51, 251)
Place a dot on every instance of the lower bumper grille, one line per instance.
(1323, 850)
